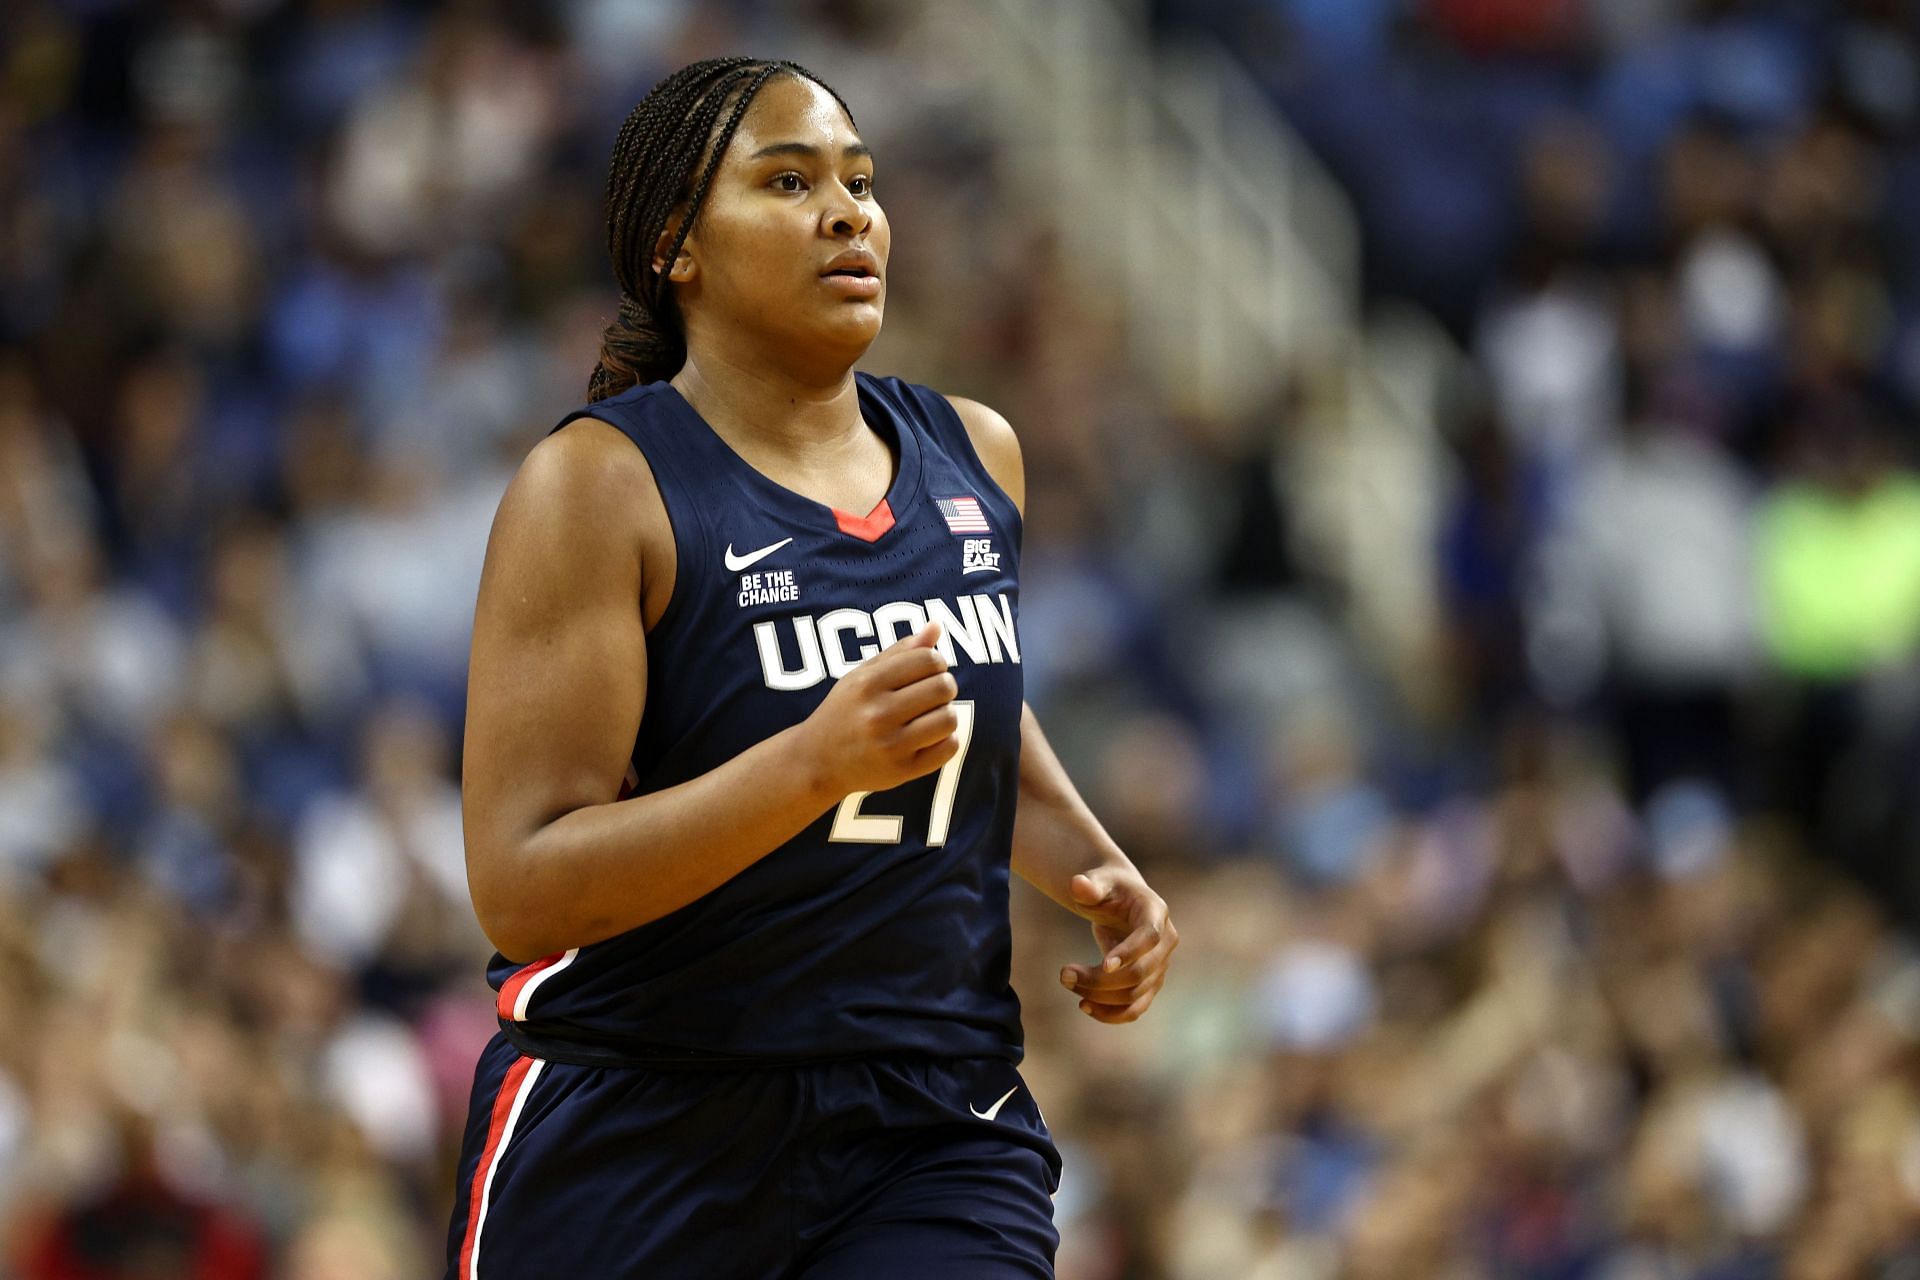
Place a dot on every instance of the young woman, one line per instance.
(745, 747)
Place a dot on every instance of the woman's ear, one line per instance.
(683, 266)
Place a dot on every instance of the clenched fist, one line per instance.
(890, 719)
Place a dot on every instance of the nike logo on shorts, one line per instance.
(736, 563)
(994, 1110)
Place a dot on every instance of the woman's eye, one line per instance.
(861, 186)
(792, 178)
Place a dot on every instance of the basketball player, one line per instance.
(745, 746)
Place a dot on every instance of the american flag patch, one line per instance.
(963, 514)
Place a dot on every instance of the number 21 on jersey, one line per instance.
(852, 826)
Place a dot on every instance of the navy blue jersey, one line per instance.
(882, 927)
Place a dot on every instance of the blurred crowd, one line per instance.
(1587, 958)
(1597, 954)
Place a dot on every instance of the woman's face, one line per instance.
(792, 198)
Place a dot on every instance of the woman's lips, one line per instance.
(854, 286)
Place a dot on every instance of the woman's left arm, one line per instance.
(1059, 847)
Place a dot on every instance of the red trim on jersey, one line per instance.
(510, 989)
(497, 1125)
(868, 527)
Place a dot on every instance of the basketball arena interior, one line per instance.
(1471, 565)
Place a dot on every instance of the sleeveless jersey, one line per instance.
(882, 927)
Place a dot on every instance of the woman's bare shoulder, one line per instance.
(584, 501)
(999, 448)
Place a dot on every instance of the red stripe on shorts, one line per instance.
(476, 1195)
(511, 988)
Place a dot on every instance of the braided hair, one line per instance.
(651, 173)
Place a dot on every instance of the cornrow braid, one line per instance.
(650, 174)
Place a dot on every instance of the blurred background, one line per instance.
(1472, 563)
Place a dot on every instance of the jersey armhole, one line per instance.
(682, 520)
(969, 455)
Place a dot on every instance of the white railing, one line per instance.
(1168, 171)
(1161, 174)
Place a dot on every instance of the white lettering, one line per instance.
(894, 622)
(978, 556)
(996, 619)
(979, 626)
(777, 587)
(773, 667)
(955, 631)
(834, 627)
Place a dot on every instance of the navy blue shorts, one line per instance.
(937, 1169)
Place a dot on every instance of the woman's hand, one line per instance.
(1133, 930)
(889, 720)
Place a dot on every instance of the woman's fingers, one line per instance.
(1121, 997)
(1122, 1013)
(1131, 973)
(1146, 938)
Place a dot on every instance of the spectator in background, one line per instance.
(141, 1225)
(1839, 545)
(1839, 569)
(1486, 551)
(1647, 599)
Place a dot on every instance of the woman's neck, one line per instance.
(771, 406)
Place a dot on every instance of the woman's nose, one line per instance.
(847, 216)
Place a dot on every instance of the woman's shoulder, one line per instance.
(629, 410)
(591, 468)
(589, 501)
(622, 438)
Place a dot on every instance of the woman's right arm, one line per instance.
(555, 690)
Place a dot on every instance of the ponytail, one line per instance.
(636, 349)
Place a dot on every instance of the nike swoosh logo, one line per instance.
(994, 1110)
(736, 563)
